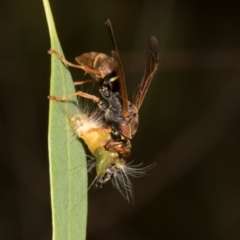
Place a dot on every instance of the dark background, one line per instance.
(189, 122)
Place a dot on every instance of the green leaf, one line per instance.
(68, 171)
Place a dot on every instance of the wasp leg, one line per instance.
(79, 93)
(85, 81)
(84, 68)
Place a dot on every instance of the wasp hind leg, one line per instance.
(84, 68)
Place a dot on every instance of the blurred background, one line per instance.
(189, 121)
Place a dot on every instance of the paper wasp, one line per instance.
(120, 114)
(109, 142)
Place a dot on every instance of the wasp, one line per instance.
(120, 115)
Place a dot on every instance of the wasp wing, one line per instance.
(151, 66)
(120, 72)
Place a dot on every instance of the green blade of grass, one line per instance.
(68, 174)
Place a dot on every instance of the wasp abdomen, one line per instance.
(98, 61)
